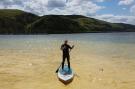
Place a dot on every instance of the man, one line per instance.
(66, 48)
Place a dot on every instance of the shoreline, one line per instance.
(73, 33)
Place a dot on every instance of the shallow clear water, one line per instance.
(99, 61)
(120, 44)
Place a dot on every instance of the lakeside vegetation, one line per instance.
(14, 21)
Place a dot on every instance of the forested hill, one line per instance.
(20, 22)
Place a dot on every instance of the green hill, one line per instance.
(15, 21)
(55, 24)
(20, 22)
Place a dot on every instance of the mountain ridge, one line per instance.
(13, 21)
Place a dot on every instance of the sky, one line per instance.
(116, 11)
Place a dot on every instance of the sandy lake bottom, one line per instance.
(99, 61)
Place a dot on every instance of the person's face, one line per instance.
(66, 42)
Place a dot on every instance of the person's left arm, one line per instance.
(70, 47)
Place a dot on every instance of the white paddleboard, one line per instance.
(66, 75)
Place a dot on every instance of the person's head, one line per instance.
(66, 41)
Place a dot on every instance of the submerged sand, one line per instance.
(35, 68)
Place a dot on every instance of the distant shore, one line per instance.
(20, 22)
(70, 33)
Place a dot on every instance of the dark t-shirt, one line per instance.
(65, 48)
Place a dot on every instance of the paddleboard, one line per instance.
(66, 75)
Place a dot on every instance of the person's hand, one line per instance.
(73, 46)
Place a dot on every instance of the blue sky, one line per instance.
(113, 7)
(116, 11)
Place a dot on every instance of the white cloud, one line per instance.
(81, 7)
(116, 18)
(126, 2)
(42, 7)
(124, 8)
(132, 9)
(100, 0)
(85, 8)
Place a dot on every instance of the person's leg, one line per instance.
(63, 60)
(68, 60)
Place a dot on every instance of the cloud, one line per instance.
(126, 2)
(63, 7)
(132, 10)
(43, 7)
(100, 0)
(56, 4)
(85, 7)
(116, 18)
(124, 8)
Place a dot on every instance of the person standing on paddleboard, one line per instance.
(65, 49)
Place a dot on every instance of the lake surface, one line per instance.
(100, 60)
(122, 44)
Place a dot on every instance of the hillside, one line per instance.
(55, 24)
(15, 21)
(20, 22)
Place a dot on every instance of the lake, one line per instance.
(100, 61)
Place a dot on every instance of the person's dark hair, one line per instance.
(66, 41)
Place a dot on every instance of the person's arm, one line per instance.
(61, 47)
(71, 47)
